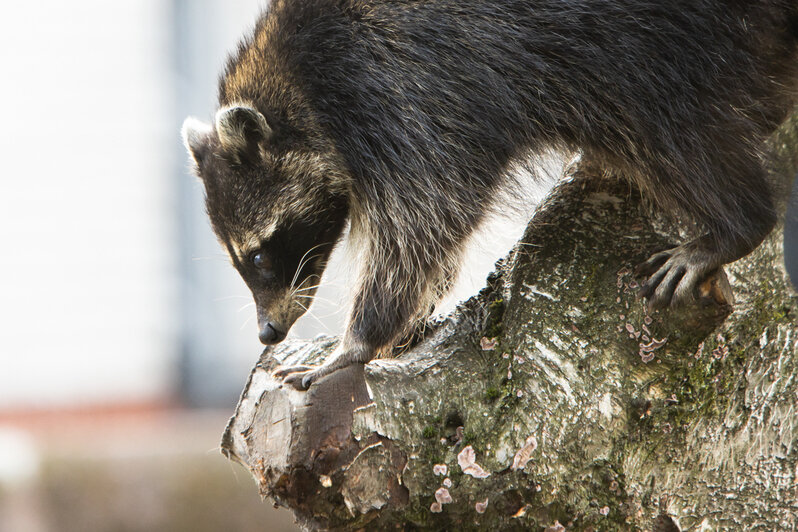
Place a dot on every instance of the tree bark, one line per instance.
(553, 400)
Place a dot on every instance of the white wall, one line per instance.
(86, 225)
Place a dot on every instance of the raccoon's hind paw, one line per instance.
(674, 274)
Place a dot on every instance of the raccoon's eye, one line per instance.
(260, 261)
(264, 266)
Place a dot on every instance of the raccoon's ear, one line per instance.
(196, 137)
(241, 131)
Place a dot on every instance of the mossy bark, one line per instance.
(553, 400)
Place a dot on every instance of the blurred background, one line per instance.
(126, 336)
(123, 348)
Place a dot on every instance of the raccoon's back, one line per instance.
(511, 46)
(455, 79)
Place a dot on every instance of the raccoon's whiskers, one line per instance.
(313, 298)
(299, 269)
(297, 290)
(312, 315)
(302, 262)
(251, 304)
(305, 289)
(247, 322)
(315, 286)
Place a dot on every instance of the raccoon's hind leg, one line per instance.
(739, 219)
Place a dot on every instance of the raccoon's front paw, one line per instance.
(674, 274)
(300, 377)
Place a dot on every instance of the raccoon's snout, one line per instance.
(271, 334)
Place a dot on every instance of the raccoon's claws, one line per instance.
(673, 276)
(302, 377)
(299, 377)
(654, 262)
(301, 380)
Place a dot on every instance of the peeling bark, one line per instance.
(553, 400)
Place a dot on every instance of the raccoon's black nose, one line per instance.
(271, 335)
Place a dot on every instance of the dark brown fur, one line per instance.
(403, 117)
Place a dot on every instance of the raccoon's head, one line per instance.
(276, 205)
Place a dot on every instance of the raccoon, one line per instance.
(400, 119)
